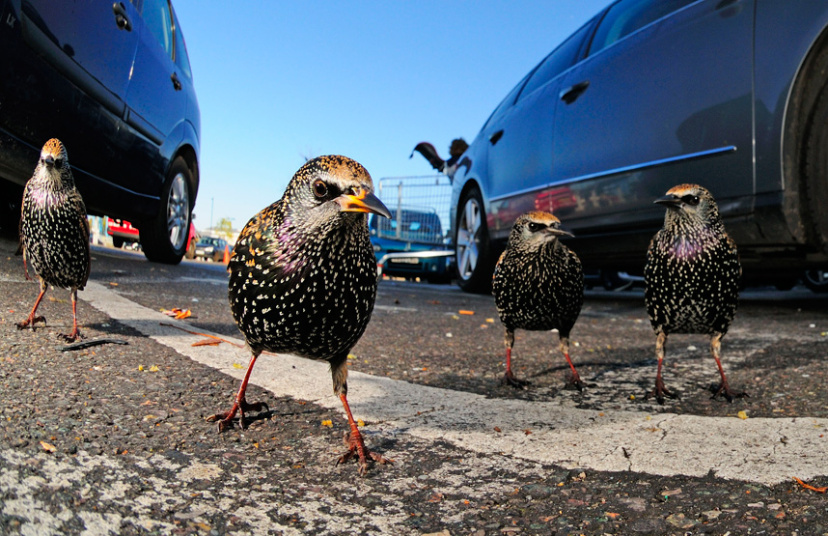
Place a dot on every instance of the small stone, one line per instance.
(670, 492)
(711, 515)
(637, 504)
(680, 521)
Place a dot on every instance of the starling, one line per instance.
(303, 277)
(692, 277)
(54, 231)
(538, 285)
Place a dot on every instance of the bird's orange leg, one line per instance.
(31, 320)
(240, 405)
(355, 443)
(76, 334)
(509, 378)
(723, 389)
(575, 379)
(660, 391)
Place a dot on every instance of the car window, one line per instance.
(180, 54)
(627, 16)
(508, 101)
(557, 62)
(156, 15)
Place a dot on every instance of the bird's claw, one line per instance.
(511, 380)
(225, 420)
(575, 382)
(72, 337)
(353, 445)
(31, 321)
(660, 392)
(724, 390)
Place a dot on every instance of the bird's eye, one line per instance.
(535, 227)
(58, 162)
(690, 199)
(320, 189)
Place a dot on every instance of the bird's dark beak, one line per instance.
(362, 201)
(669, 201)
(49, 160)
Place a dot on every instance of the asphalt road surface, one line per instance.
(112, 439)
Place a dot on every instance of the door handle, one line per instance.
(494, 138)
(176, 82)
(571, 94)
(121, 19)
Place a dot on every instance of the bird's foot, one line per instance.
(225, 420)
(725, 391)
(356, 447)
(660, 392)
(575, 382)
(510, 379)
(31, 321)
(72, 337)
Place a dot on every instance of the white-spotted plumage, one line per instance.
(538, 285)
(303, 276)
(54, 231)
(692, 276)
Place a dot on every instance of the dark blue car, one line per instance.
(648, 94)
(411, 245)
(113, 82)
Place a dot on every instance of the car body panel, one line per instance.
(697, 95)
(66, 74)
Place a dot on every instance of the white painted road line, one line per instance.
(761, 450)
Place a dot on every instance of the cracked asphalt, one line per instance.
(112, 439)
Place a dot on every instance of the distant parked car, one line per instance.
(210, 248)
(113, 82)
(646, 95)
(412, 249)
(122, 232)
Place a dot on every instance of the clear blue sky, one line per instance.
(281, 81)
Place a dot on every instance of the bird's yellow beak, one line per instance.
(362, 201)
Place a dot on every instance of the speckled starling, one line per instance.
(692, 277)
(303, 277)
(538, 285)
(54, 231)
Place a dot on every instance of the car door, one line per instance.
(91, 45)
(664, 97)
(156, 97)
(95, 36)
(520, 142)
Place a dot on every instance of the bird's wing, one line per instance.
(732, 246)
(430, 153)
(82, 228)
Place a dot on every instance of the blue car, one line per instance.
(113, 82)
(414, 249)
(646, 95)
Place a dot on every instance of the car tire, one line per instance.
(12, 197)
(472, 247)
(164, 238)
(816, 280)
(816, 169)
(117, 242)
